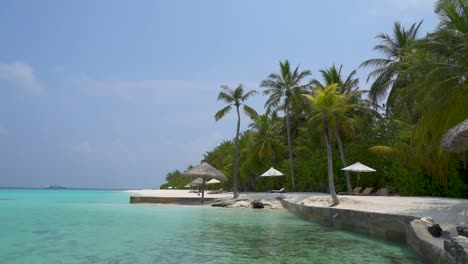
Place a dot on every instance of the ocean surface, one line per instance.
(100, 226)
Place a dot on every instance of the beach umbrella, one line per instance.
(204, 171)
(187, 186)
(456, 139)
(197, 181)
(272, 172)
(358, 167)
(213, 181)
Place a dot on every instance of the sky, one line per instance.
(116, 94)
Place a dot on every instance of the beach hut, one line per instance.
(358, 167)
(204, 171)
(456, 139)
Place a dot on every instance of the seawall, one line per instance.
(170, 200)
(402, 229)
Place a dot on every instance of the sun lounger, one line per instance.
(216, 191)
(367, 191)
(278, 191)
(354, 192)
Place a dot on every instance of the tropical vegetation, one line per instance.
(311, 128)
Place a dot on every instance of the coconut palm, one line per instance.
(266, 137)
(347, 122)
(387, 70)
(235, 97)
(328, 106)
(282, 89)
(439, 87)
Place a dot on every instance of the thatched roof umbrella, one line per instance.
(205, 171)
(456, 139)
(197, 181)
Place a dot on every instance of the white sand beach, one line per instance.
(447, 212)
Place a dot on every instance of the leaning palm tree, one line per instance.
(282, 89)
(235, 98)
(387, 70)
(331, 76)
(328, 105)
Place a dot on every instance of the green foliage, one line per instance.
(425, 83)
(175, 180)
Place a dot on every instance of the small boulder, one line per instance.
(257, 204)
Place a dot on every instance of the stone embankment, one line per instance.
(392, 227)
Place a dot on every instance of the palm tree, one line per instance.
(357, 111)
(387, 70)
(282, 89)
(266, 137)
(331, 76)
(235, 98)
(328, 105)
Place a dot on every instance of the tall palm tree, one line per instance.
(235, 97)
(328, 105)
(387, 70)
(282, 89)
(347, 122)
(331, 76)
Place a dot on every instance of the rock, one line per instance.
(382, 192)
(457, 247)
(257, 204)
(223, 203)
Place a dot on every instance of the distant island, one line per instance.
(56, 187)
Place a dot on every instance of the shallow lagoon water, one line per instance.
(89, 226)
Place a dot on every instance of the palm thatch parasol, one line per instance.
(456, 139)
(196, 182)
(205, 171)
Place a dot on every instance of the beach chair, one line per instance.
(216, 191)
(367, 191)
(355, 191)
(278, 191)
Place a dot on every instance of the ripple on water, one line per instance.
(96, 232)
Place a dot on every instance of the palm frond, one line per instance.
(221, 113)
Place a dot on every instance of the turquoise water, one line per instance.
(87, 226)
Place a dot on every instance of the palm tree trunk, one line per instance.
(291, 161)
(331, 183)
(343, 160)
(236, 157)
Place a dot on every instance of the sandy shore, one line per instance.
(449, 213)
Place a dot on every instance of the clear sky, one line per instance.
(115, 94)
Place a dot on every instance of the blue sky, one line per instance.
(115, 94)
